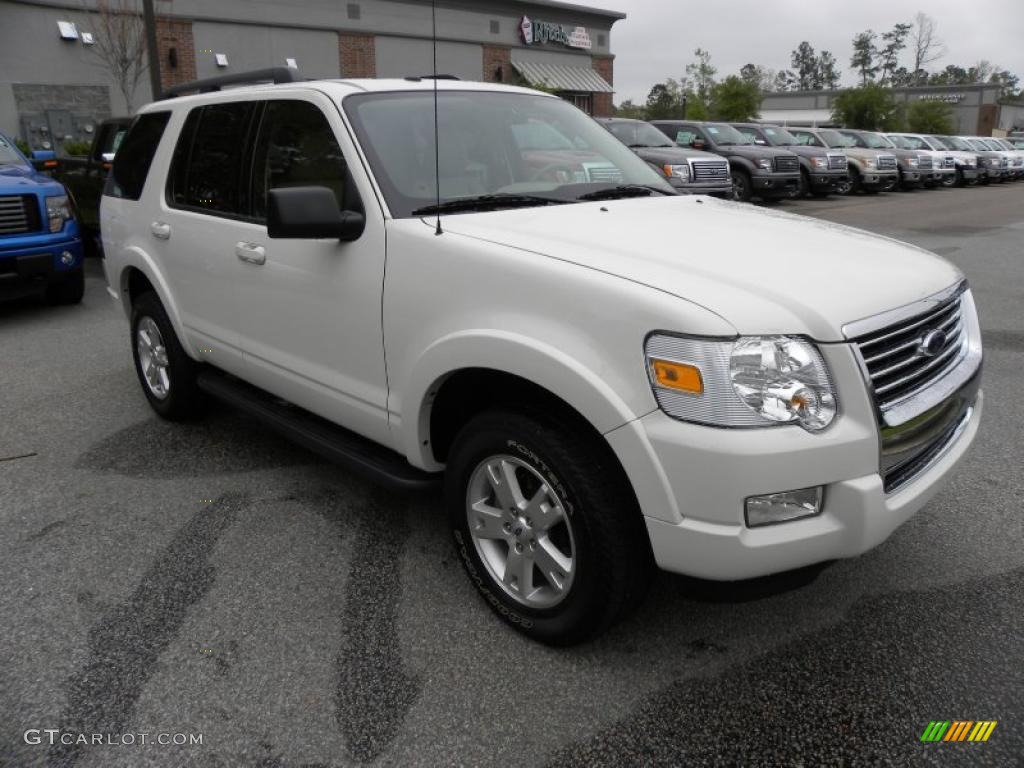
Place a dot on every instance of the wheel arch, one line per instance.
(137, 275)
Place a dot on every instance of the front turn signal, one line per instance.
(678, 376)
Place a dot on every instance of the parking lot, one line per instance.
(214, 580)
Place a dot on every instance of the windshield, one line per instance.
(837, 140)
(915, 142)
(992, 144)
(725, 135)
(977, 144)
(638, 134)
(491, 143)
(8, 154)
(903, 142)
(952, 142)
(869, 140)
(780, 137)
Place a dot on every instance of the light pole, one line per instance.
(149, 18)
(684, 106)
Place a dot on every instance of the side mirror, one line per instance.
(697, 143)
(310, 213)
(107, 157)
(43, 154)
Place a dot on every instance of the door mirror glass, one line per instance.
(310, 213)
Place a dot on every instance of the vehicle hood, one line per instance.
(673, 155)
(805, 151)
(763, 271)
(23, 179)
(863, 153)
(752, 151)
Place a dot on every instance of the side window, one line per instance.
(754, 136)
(131, 166)
(803, 138)
(297, 148)
(685, 137)
(207, 171)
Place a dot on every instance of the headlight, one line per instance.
(912, 162)
(819, 162)
(765, 164)
(753, 381)
(972, 162)
(58, 211)
(993, 162)
(869, 163)
(679, 171)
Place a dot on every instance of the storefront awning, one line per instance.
(562, 78)
(804, 117)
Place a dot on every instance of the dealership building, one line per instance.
(54, 87)
(975, 109)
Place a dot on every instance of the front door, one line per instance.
(310, 310)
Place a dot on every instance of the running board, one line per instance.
(336, 444)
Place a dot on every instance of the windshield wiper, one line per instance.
(622, 190)
(486, 203)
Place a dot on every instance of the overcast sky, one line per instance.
(658, 37)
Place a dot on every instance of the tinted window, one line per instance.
(296, 148)
(207, 170)
(131, 166)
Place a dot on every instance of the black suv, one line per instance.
(821, 171)
(690, 171)
(766, 172)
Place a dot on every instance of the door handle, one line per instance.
(160, 230)
(251, 253)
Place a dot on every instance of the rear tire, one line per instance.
(546, 525)
(167, 374)
(69, 289)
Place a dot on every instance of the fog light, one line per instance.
(67, 258)
(783, 507)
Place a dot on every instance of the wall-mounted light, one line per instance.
(88, 39)
(291, 63)
(222, 59)
(68, 31)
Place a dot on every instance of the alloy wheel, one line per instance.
(153, 361)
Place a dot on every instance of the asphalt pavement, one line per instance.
(211, 580)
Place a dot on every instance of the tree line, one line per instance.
(876, 61)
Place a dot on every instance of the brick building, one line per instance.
(53, 88)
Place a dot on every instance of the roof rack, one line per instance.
(275, 75)
(417, 78)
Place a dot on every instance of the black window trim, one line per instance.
(111, 179)
(245, 171)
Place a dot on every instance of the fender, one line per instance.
(133, 256)
(805, 164)
(549, 367)
(741, 163)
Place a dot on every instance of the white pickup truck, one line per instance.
(603, 374)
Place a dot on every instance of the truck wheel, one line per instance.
(856, 185)
(69, 289)
(167, 374)
(546, 526)
(804, 185)
(742, 189)
(953, 179)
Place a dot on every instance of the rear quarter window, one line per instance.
(135, 154)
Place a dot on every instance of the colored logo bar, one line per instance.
(958, 730)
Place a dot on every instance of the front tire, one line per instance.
(742, 188)
(545, 525)
(167, 374)
(69, 289)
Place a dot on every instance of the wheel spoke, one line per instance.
(519, 572)
(541, 512)
(502, 475)
(555, 566)
(487, 522)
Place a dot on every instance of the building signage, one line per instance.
(536, 32)
(949, 98)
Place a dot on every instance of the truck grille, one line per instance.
(787, 164)
(837, 162)
(18, 214)
(949, 162)
(710, 170)
(898, 475)
(895, 357)
(602, 172)
(924, 162)
(887, 162)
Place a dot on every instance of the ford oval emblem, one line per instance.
(931, 343)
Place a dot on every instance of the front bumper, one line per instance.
(715, 189)
(36, 260)
(692, 482)
(878, 179)
(775, 184)
(827, 182)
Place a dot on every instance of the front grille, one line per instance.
(894, 358)
(949, 162)
(886, 162)
(16, 214)
(710, 170)
(602, 172)
(924, 162)
(787, 164)
(837, 162)
(897, 476)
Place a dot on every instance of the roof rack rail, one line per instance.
(275, 75)
(417, 78)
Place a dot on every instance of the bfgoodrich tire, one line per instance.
(166, 373)
(546, 526)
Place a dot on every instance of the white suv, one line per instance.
(603, 374)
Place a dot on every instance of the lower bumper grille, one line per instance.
(898, 475)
